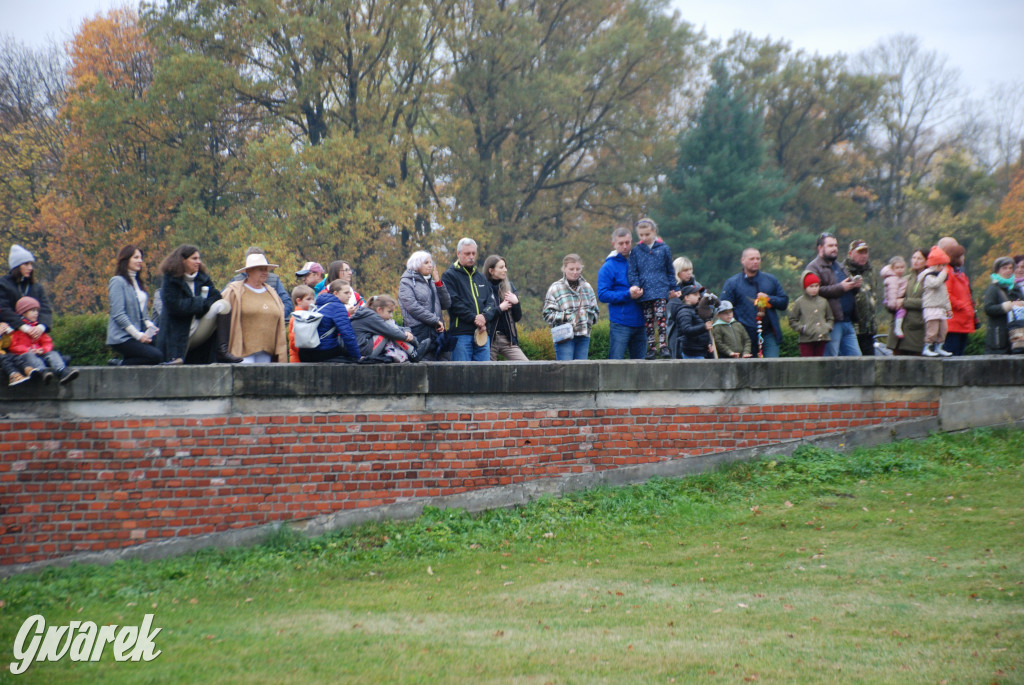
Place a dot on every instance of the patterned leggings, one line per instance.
(654, 324)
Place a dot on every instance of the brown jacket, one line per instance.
(233, 294)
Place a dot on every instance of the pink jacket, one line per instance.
(895, 287)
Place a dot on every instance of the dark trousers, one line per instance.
(315, 354)
(813, 349)
(956, 343)
(136, 353)
(866, 343)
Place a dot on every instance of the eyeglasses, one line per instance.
(349, 269)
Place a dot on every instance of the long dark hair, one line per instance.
(504, 287)
(123, 257)
(334, 269)
(174, 263)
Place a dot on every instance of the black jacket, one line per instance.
(180, 306)
(505, 321)
(368, 324)
(12, 290)
(471, 295)
(689, 331)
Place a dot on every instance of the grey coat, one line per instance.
(421, 301)
(124, 311)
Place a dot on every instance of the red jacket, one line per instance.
(23, 342)
(961, 300)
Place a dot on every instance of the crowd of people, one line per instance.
(656, 306)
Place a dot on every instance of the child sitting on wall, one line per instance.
(38, 353)
(11, 364)
(303, 298)
(379, 336)
(731, 338)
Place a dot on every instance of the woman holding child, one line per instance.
(911, 342)
(256, 333)
(129, 330)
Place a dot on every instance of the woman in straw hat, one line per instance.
(257, 332)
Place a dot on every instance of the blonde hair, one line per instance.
(301, 291)
(680, 263)
(571, 258)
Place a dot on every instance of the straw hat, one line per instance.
(254, 260)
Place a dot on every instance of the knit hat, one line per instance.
(810, 279)
(1000, 263)
(937, 257)
(25, 304)
(19, 256)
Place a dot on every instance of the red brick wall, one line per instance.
(70, 486)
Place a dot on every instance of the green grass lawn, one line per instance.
(902, 563)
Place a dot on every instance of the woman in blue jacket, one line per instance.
(337, 339)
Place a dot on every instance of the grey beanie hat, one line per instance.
(1000, 263)
(19, 256)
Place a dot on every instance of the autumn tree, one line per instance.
(111, 189)
(558, 115)
(33, 86)
(1007, 231)
(816, 115)
(918, 101)
(723, 196)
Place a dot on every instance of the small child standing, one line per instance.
(693, 339)
(38, 353)
(935, 305)
(651, 280)
(811, 317)
(731, 338)
(303, 298)
(895, 290)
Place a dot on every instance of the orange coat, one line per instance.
(961, 301)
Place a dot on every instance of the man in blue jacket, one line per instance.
(627, 320)
(744, 288)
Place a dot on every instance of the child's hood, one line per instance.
(887, 272)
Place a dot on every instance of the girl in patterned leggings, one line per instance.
(652, 278)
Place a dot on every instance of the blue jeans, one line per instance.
(624, 339)
(770, 347)
(467, 351)
(693, 356)
(576, 348)
(843, 342)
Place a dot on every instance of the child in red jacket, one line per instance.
(36, 347)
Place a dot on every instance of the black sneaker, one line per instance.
(67, 375)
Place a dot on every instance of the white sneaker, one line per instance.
(942, 352)
(928, 351)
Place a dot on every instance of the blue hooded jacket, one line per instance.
(336, 316)
(613, 290)
(651, 269)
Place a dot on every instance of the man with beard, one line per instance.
(839, 289)
(857, 265)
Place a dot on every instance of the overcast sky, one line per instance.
(984, 39)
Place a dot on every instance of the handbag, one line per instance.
(305, 325)
(561, 332)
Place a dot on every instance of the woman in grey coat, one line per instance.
(423, 297)
(129, 331)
